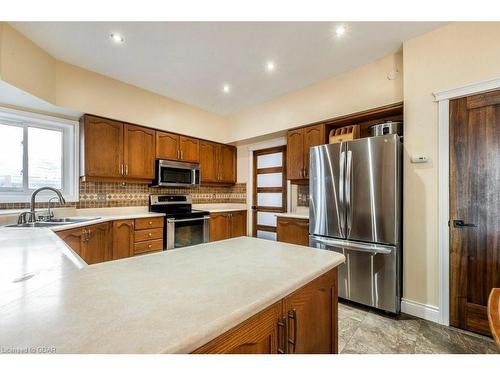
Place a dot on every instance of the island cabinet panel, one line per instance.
(209, 170)
(167, 146)
(304, 322)
(123, 239)
(257, 335)
(299, 141)
(189, 149)
(293, 230)
(102, 147)
(224, 225)
(139, 152)
(98, 244)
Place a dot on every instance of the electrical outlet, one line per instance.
(101, 197)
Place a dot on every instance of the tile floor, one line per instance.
(366, 331)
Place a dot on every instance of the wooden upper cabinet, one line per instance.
(227, 164)
(295, 154)
(167, 146)
(123, 239)
(313, 136)
(298, 143)
(189, 149)
(139, 152)
(208, 162)
(103, 147)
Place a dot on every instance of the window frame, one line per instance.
(70, 154)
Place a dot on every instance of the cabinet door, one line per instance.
(313, 136)
(257, 335)
(208, 162)
(167, 146)
(227, 164)
(189, 149)
(238, 223)
(295, 154)
(295, 231)
(74, 238)
(123, 239)
(139, 152)
(220, 228)
(97, 247)
(312, 315)
(103, 147)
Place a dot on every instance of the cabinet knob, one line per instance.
(150, 246)
(150, 234)
(150, 223)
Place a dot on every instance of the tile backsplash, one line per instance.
(104, 194)
(303, 195)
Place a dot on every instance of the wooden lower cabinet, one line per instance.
(224, 225)
(123, 239)
(293, 230)
(148, 235)
(304, 322)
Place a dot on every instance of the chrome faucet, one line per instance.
(31, 214)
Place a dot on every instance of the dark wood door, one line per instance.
(74, 238)
(312, 315)
(189, 149)
(238, 223)
(123, 239)
(97, 244)
(167, 146)
(139, 152)
(227, 164)
(208, 162)
(257, 335)
(313, 136)
(220, 226)
(292, 230)
(295, 154)
(103, 147)
(474, 200)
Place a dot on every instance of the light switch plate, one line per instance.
(101, 197)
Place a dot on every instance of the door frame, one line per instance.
(443, 99)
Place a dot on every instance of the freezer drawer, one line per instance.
(370, 274)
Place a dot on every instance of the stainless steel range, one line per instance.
(355, 209)
(183, 225)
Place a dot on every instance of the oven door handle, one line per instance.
(184, 220)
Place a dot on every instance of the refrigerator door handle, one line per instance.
(341, 192)
(349, 245)
(348, 191)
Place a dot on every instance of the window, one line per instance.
(36, 151)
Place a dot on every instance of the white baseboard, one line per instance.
(420, 310)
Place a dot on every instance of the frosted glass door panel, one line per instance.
(266, 218)
(270, 160)
(266, 235)
(270, 180)
(269, 199)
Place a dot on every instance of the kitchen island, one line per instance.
(239, 295)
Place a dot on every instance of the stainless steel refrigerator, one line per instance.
(355, 209)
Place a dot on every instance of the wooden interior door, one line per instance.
(123, 239)
(474, 208)
(312, 314)
(103, 147)
(269, 190)
(295, 154)
(189, 149)
(167, 146)
(139, 152)
(208, 162)
(313, 136)
(227, 164)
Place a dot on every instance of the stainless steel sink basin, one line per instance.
(53, 222)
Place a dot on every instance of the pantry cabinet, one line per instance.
(224, 225)
(217, 163)
(299, 141)
(171, 146)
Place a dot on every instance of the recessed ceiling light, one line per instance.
(270, 66)
(340, 30)
(117, 38)
(226, 88)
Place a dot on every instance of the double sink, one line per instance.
(53, 222)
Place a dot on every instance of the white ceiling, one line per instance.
(191, 61)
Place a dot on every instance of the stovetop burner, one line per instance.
(177, 206)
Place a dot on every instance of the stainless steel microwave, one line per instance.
(176, 173)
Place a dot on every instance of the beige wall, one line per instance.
(353, 91)
(29, 68)
(446, 58)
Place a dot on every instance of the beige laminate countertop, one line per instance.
(168, 302)
(294, 215)
(220, 207)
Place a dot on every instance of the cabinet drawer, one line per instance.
(148, 234)
(147, 246)
(148, 223)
